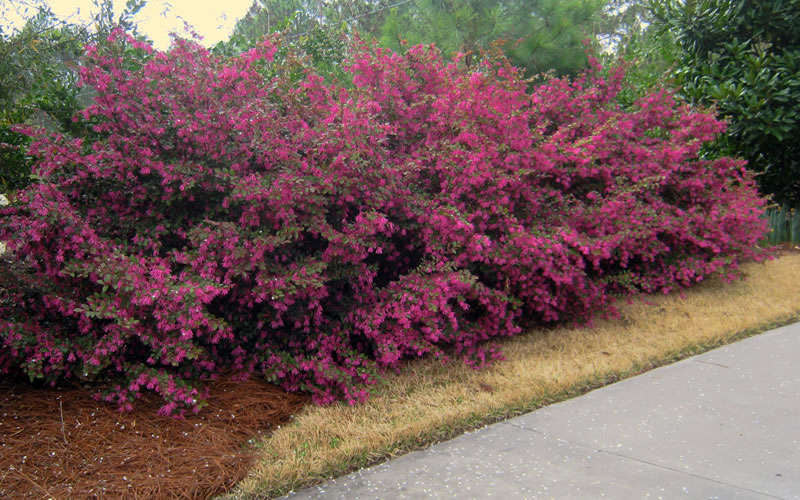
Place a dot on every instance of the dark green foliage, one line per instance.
(451, 25)
(38, 85)
(39, 80)
(555, 35)
(540, 35)
(648, 56)
(743, 57)
(15, 167)
(313, 30)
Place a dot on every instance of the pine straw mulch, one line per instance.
(61, 443)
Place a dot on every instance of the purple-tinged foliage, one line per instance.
(317, 234)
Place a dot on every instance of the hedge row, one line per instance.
(221, 220)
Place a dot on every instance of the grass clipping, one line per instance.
(429, 402)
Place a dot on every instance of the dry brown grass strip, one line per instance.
(429, 402)
(61, 443)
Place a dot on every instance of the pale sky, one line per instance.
(213, 20)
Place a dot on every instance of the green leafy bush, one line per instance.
(743, 58)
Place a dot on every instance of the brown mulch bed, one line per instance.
(61, 443)
(57, 443)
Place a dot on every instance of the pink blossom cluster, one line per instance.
(220, 220)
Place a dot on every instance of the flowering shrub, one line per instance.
(315, 234)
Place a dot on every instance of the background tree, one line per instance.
(629, 36)
(743, 57)
(38, 83)
(542, 35)
(622, 20)
(39, 78)
(314, 29)
(555, 35)
(298, 17)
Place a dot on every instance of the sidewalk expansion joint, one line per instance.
(711, 363)
(646, 462)
(692, 474)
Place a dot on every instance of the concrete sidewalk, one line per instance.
(724, 424)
